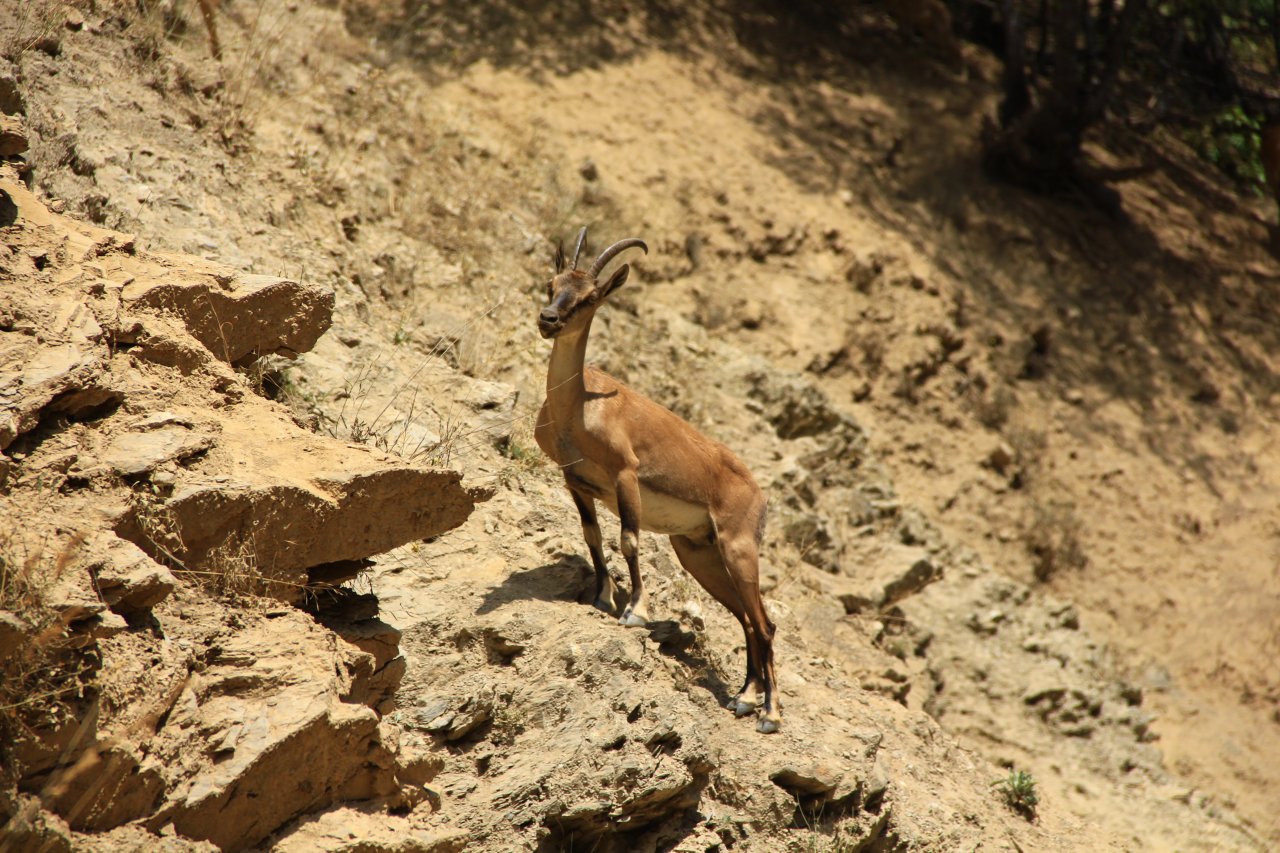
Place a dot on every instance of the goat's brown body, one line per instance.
(655, 472)
(686, 479)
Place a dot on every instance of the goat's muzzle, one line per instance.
(549, 322)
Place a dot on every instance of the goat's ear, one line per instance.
(559, 258)
(616, 280)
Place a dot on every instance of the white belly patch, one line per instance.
(664, 514)
(659, 513)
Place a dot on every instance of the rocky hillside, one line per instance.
(285, 569)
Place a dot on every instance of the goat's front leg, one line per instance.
(628, 492)
(605, 587)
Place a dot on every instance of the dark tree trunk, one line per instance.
(1038, 140)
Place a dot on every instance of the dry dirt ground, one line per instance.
(1020, 455)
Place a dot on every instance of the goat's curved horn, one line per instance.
(609, 253)
(582, 238)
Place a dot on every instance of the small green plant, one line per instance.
(1019, 792)
(526, 458)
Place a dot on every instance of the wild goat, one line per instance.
(655, 472)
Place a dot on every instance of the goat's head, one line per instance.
(573, 295)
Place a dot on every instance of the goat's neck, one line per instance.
(565, 387)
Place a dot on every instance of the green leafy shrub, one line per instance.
(1231, 141)
(1019, 791)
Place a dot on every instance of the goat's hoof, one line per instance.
(742, 707)
(633, 620)
(768, 725)
(603, 606)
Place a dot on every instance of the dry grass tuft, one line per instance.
(251, 67)
(1053, 538)
(34, 25)
(231, 572)
(1052, 532)
(41, 670)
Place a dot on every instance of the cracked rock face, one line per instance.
(133, 454)
(128, 580)
(250, 788)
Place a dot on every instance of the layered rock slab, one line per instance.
(271, 500)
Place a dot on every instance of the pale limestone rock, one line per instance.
(13, 135)
(269, 701)
(67, 377)
(133, 454)
(199, 738)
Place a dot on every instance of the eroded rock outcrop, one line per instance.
(150, 478)
(557, 729)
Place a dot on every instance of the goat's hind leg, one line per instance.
(605, 587)
(703, 561)
(739, 549)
